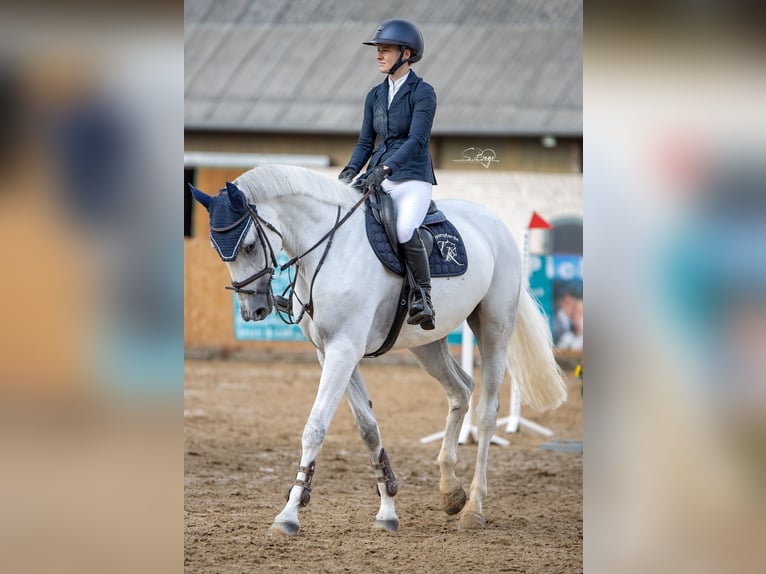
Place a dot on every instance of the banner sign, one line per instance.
(556, 282)
(272, 328)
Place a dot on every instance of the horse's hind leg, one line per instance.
(492, 337)
(436, 359)
(361, 407)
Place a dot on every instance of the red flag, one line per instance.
(538, 222)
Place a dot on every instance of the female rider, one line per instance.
(399, 112)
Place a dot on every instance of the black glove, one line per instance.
(377, 176)
(347, 175)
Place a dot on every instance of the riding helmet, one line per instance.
(400, 33)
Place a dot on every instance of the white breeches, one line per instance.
(412, 198)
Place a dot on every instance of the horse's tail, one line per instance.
(531, 360)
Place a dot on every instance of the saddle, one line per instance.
(448, 260)
(446, 251)
(384, 211)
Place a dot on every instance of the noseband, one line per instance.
(259, 223)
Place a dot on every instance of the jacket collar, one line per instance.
(409, 84)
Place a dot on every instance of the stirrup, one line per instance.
(426, 322)
(421, 310)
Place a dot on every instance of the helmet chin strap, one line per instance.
(399, 62)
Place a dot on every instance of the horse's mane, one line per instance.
(272, 181)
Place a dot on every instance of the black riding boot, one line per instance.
(421, 308)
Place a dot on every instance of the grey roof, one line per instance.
(502, 67)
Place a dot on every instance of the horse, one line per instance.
(347, 300)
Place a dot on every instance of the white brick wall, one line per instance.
(512, 195)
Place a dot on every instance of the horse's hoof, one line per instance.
(284, 529)
(389, 525)
(453, 502)
(471, 521)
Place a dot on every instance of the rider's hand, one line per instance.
(347, 175)
(377, 176)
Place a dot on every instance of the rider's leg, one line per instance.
(412, 199)
(421, 308)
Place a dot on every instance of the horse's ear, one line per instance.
(236, 197)
(200, 195)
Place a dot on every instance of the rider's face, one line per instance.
(387, 56)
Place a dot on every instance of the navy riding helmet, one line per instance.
(402, 33)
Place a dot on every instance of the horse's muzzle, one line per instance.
(259, 311)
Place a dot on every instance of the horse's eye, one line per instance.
(249, 248)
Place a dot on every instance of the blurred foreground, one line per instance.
(90, 244)
(676, 260)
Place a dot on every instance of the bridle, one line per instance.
(259, 224)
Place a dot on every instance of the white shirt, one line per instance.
(393, 87)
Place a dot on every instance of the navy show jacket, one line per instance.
(403, 131)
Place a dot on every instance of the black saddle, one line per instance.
(448, 260)
(384, 212)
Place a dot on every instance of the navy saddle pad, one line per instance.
(448, 257)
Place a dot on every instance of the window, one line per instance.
(566, 236)
(189, 174)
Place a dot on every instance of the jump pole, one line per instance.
(468, 432)
(514, 420)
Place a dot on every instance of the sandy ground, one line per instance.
(243, 423)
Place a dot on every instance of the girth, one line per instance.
(396, 326)
(383, 209)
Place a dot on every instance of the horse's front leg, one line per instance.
(361, 407)
(339, 363)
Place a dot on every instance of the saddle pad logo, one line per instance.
(447, 245)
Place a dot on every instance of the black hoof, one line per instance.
(284, 528)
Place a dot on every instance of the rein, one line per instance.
(308, 307)
(259, 222)
(330, 233)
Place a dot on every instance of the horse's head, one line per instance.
(247, 243)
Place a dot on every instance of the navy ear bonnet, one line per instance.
(232, 221)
